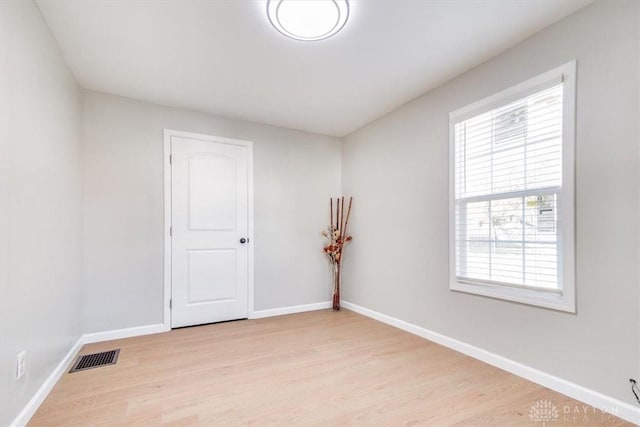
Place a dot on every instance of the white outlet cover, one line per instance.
(21, 365)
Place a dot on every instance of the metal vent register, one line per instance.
(96, 360)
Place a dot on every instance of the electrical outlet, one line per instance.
(21, 364)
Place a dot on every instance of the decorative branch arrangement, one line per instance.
(337, 237)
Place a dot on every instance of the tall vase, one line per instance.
(336, 286)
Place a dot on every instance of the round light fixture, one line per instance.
(308, 19)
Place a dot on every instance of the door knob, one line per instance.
(243, 240)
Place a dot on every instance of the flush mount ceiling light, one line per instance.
(308, 19)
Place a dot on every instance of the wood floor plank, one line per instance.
(310, 369)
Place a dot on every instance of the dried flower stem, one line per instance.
(331, 210)
(346, 223)
(342, 220)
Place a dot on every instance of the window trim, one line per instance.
(565, 300)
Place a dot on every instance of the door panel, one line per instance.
(211, 276)
(209, 206)
(212, 192)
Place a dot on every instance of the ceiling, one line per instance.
(223, 57)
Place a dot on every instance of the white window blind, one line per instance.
(508, 191)
(508, 175)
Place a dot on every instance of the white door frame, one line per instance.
(168, 134)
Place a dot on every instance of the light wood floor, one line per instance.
(309, 369)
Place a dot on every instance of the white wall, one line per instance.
(397, 170)
(40, 208)
(295, 173)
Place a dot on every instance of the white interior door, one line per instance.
(209, 244)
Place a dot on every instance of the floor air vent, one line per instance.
(96, 360)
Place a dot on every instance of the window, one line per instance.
(512, 193)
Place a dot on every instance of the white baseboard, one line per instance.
(597, 400)
(290, 310)
(124, 333)
(32, 406)
(27, 412)
(591, 397)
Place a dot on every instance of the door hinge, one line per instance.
(170, 159)
(170, 303)
(170, 231)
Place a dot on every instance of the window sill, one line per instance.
(538, 298)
